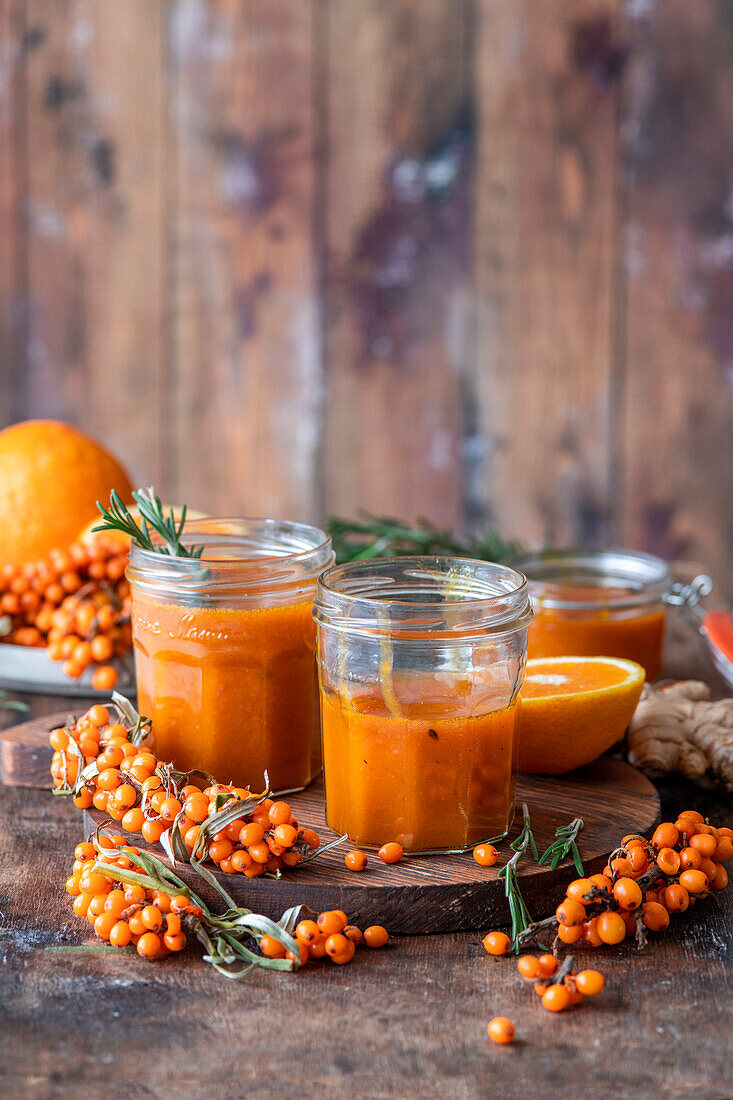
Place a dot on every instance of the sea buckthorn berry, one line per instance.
(152, 831)
(354, 934)
(574, 994)
(694, 881)
(590, 933)
(285, 835)
(721, 878)
(603, 882)
(668, 861)
(578, 888)
(125, 796)
(104, 678)
(170, 808)
(665, 835)
(252, 833)
(332, 921)
(344, 956)
(497, 943)
(556, 998)
(528, 966)
(570, 912)
(302, 956)
(654, 916)
(174, 941)
(85, 851)
(627, 893)
(109, 779)
(485, 855)
(611, 928)
(93, 882)
(272, 948)
(723, 850)
(310, 838)
(152, 917)
(115, 902)
(81, 904)
(317, 949)
(589, 982)
(120, 934)
(260, 853)
(307, 931)
(149, 945)
(570, 933)
(375, 936)
(197, 808)
(59, 739)
(240, 860)
(219, 850)
(621, 867)
(356, 861)
(104, 924)
(72, 886)
(708, 868)
(391, 852)
(280, 813)
(704, 844)
(626, 840)
(675, 898)
(133, 820)
(500, 1030)
(336, 944)
(548, 965)
(638, 859)
(690, 859)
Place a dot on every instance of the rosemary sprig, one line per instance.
(520, 915)
(382, 537)
(564, 845)
(226, 937)
(152, 518)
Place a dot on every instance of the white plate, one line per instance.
(29, 668)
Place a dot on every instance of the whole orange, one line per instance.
(51, 476)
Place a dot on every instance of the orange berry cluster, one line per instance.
(328, 936)
(644, 883)
(131, 785)
(123, 914)
(559, 989)
(76, 603)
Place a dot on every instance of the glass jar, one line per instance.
(607, 603)
(420, 662)
(225, 650)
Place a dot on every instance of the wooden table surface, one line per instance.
(408, 1021)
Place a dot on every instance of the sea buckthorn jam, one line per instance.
(225, 650)
(605, 604)
(420, 663)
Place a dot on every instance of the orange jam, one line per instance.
(420, 661)
(225, 650)
(602, 630)
(232, 692)
(426, 781)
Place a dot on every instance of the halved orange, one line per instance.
(573, 709)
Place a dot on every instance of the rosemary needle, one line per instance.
(565, 845)
(382, 537)
(152, 519)
(520, 915)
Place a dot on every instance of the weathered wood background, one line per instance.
(471, 259)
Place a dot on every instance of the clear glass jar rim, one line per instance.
(645, 574)
(237, 552)
(381, 595)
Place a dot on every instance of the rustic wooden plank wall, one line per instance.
(471, 259)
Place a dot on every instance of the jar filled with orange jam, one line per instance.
(606, 603)
(225, 650)
(420, 661)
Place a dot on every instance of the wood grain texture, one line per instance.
(410, 1020)
(15, 43)
(547, 94)
(421, 893)
(678, 263)
(246, 380)
(95, 252)
(400, 152)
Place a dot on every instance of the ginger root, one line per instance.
(676, 729)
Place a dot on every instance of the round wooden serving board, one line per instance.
(421, 893)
